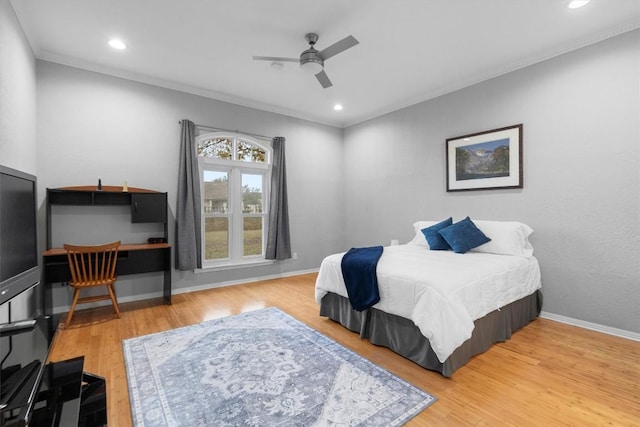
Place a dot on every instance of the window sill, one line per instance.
(245, 264)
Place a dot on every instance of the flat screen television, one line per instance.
(18, 233)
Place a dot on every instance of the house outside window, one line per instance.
(235, 175)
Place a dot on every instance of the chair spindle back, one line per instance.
(92, 265)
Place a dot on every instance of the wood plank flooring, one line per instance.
(548, 374)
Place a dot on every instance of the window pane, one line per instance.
(251, 193)
(216, 238)
(252, 236)
(219, 148)
(235, 186)
(248, 152)
(216, 192)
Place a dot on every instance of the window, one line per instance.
(235, 174)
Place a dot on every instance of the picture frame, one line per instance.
(486, 160)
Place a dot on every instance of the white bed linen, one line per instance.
(440, 291)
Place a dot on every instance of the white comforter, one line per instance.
(440, 291)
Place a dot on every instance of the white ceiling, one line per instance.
(409, 51)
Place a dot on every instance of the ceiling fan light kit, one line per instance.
(312, 67)
(312, 60)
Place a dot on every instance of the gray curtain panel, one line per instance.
(188, 226)
(278, 240)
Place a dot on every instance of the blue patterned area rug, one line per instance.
(260, 368)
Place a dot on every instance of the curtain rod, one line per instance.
(230, 130)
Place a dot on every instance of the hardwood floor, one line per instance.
(548, 374)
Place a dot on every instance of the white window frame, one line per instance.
(235, 169)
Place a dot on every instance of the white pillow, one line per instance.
(507, 238)
(419, 239)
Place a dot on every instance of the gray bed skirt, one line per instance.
(403, 336)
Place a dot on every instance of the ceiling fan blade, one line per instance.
(324, 79)
(336, 48)
(275, 59)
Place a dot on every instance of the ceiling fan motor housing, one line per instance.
(310, 60)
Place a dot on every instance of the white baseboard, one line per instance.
(591, 326)
(159, 294)
(65, 308)
(544, 314)
(241, 281)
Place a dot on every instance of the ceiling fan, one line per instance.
(312, 60)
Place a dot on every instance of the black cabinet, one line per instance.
(149, 207)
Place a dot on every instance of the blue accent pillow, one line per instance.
(463, 236)
(434, 239)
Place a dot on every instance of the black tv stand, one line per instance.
(6, 328)
(69, 396)
(55, 394)
(18, 379)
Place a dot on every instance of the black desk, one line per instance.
(132, 259)
(147, 206)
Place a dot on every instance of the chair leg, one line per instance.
(76, 295)
(114, 301)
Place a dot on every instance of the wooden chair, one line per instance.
(92, 266)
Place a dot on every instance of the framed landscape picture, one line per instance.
(485, 160)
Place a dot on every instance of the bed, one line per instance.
(439, 308)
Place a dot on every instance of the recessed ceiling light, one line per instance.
(337, 107)
(575, 4)
(117, 44)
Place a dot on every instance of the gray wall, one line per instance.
(17, 118)
(92, 125)
(582, 175)
(581, 189)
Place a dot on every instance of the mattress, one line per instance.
(441, 292)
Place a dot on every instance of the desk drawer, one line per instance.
(56, 269)
(145, 261)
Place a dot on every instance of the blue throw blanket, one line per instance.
(359, 273)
